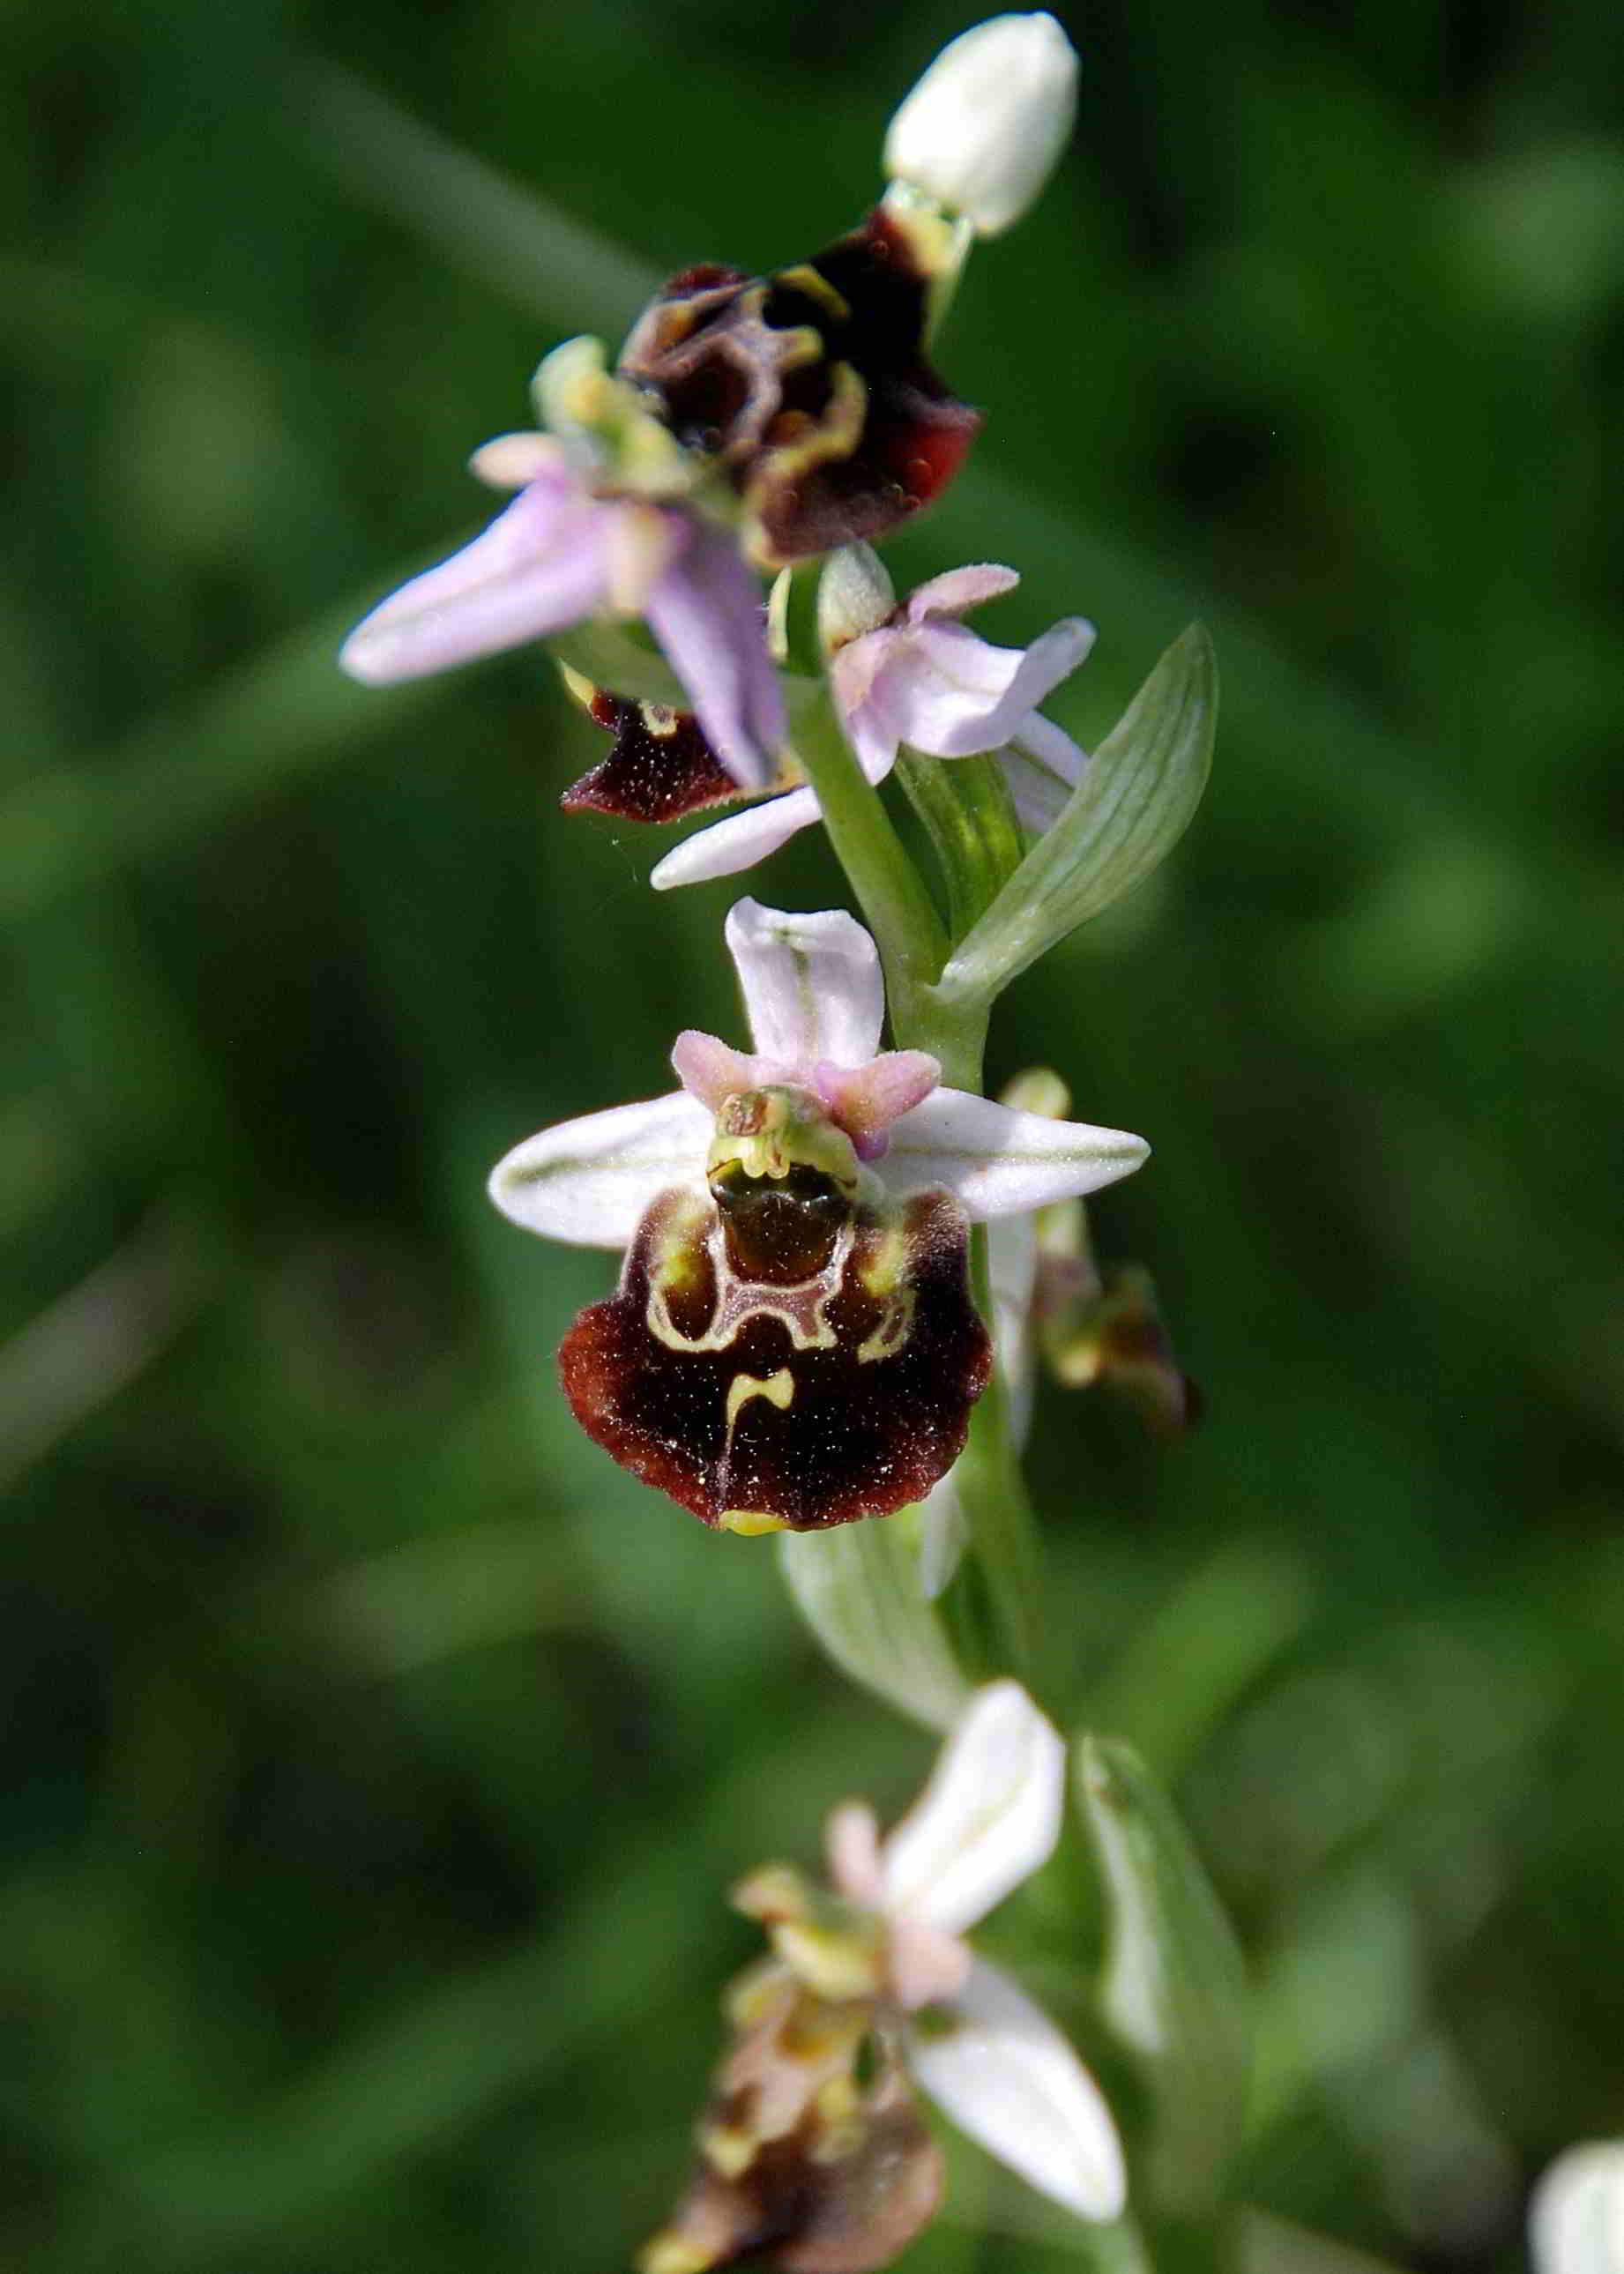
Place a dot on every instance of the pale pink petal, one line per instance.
(961, 589)
(590, 1181)
(738, 841)
(711, 1070)
(706, 613)
(1003, 2072)
(812, 985)
(512, 461)
(963, 694)
(866, 1100)
(1041, 739)
(852, 667)
(539, 566)
(852, 1844)
(988, 1818)
(999, 1162)
(923, 1966)
(1040, 774)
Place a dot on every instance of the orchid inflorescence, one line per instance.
(799, 1341)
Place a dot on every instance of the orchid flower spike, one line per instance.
(793, 1342)
(561, 552)
(791, 2154)
(917, 678)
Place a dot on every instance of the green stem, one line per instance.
(914, 946)
(899, 912)
(1005, 1613)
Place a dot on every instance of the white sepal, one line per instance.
(812, 984)
(998, 1162)
(1005, 2075)
(591, 1181)
(988, 1818)
(1576, 2221)
(737, 842)
(981, 131)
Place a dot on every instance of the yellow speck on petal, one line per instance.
(749, 1522)
(777, 1388)
(728, 2151)
(670, 2254)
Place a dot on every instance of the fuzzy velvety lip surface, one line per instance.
(660, 768)
(810, 386)
(846, 1395)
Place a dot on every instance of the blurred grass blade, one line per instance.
(858, 1589)
(1131, 807)
(528, 252)
(95, 1340)
(1173, 1987)
(288, 713)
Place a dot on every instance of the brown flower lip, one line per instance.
(834, 1381)
(659, 769)
(810, 388)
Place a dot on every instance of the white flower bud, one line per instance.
(854, 595)
(981, 133)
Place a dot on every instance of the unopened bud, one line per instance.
(1039, 1089)
(1576, 2221)
(1118, 1337)
(981, 133)
(854, 595)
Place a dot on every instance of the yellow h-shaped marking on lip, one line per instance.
(778, 1389)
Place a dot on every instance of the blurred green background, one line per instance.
(376, 1754)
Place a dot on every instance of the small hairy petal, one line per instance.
(812, 985)
(540, 565)
(512, 461)
(711, 1070)
(1000, 1163)
(866, 1100)
(989, 1817)
(1004, 2074)
(738, 842)
(590, 1181)
(706, 614)
(957, 590)
(851, 1843)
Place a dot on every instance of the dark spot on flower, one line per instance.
(810, 386)
(661, 767)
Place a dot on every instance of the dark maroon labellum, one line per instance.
(661, 767)
(775, 1358)
(810, 386)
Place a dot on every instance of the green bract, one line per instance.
(858, 1590)
(1131, 807)
(1173, 1988)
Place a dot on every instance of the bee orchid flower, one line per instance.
(561, 554)
(795, 2159)
(920, 679)
(793, 1342)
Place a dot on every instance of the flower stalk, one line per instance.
(832, 1293)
